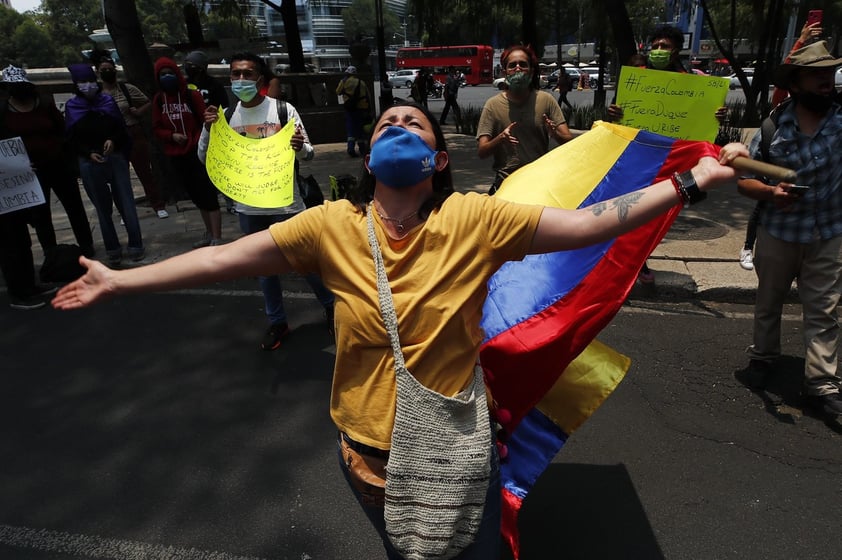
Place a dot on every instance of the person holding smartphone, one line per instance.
(799, 233)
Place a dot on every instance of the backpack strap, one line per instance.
(767, 131)
(283, 112)
(280, 107)
(769, 126)
(125, 89)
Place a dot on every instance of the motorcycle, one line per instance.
(437, 91)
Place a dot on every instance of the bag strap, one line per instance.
(384, 293)
(125, 89)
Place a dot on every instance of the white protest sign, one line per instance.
(19, 186)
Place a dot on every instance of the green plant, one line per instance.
(470, 120)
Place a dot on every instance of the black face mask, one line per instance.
(814, 102)
(109, 76)
(22, 90)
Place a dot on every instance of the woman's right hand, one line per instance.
(96, 285)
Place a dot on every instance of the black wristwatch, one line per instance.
(688, 188)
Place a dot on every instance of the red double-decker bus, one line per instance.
(474, 61)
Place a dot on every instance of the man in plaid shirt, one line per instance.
(800, 229)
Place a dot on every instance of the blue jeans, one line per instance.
(273, 293)
(108, 185)
(487, 543)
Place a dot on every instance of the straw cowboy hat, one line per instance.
(814, 55)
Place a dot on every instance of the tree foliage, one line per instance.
(360, 21)
(162, 21)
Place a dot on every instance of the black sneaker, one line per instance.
(329, 319)
(757, 374)
(829, 404)
(273, 336)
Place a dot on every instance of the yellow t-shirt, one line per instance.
(438, 275)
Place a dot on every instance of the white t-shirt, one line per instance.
(261, 121)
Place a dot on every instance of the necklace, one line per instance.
(399, 227)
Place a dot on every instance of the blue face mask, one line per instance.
(245, 90)
(169, 82)
(401, 159)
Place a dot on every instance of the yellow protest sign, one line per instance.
(259, 172)
(672, 104)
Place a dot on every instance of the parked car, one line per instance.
(839, 78)
(404, 78)
(735, 82)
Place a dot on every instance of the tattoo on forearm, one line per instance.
(623, 204)
(599, 208)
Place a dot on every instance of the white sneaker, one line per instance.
(746, 259)
(163, 214)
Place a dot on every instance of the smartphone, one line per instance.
(798, 189)
(814, 16)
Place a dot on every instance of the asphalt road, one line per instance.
(476, 96)
(152, 427)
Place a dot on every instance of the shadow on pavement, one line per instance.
(585, 511)
(782, 395)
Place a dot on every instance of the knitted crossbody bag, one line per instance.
(440, 461)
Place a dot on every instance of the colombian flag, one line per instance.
(542, 313)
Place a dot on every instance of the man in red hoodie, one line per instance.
(177, 121)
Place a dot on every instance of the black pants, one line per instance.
(449, 102)
(63, 182)
(562, 98)
(16, 261)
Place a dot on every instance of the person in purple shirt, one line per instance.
(97, 132)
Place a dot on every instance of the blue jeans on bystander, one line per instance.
(273, 293)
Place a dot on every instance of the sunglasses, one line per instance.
(517, 63)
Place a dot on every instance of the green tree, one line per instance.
(162, 20)
(69, 24)
(32, 45)
(360, 22)
(9, 21)
(230, 19)
(644, 16)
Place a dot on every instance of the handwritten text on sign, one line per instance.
(19, 186)
(258, 172)
(672, 104)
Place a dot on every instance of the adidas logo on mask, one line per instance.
(425, 165)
